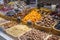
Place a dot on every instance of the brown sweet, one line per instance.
(46, 21)
(34, 35)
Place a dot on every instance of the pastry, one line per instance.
(17, 30)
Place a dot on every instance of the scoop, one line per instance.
(29, 22)
(1, 29)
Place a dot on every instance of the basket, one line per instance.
(47, 29)
(48, 11)
(55, 31)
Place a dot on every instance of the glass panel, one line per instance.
(1, 38)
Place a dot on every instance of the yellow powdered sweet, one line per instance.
(17, 30)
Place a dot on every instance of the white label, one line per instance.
(53, 7)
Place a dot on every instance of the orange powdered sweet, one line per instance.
(33, 16)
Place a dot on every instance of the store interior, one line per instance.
(29, 19)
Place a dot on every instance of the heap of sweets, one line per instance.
(33, 35)
(33, 16)
(38, 35)
(47, 21)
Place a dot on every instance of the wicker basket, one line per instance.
(55, 31)
(47, 29)
(46, 10)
